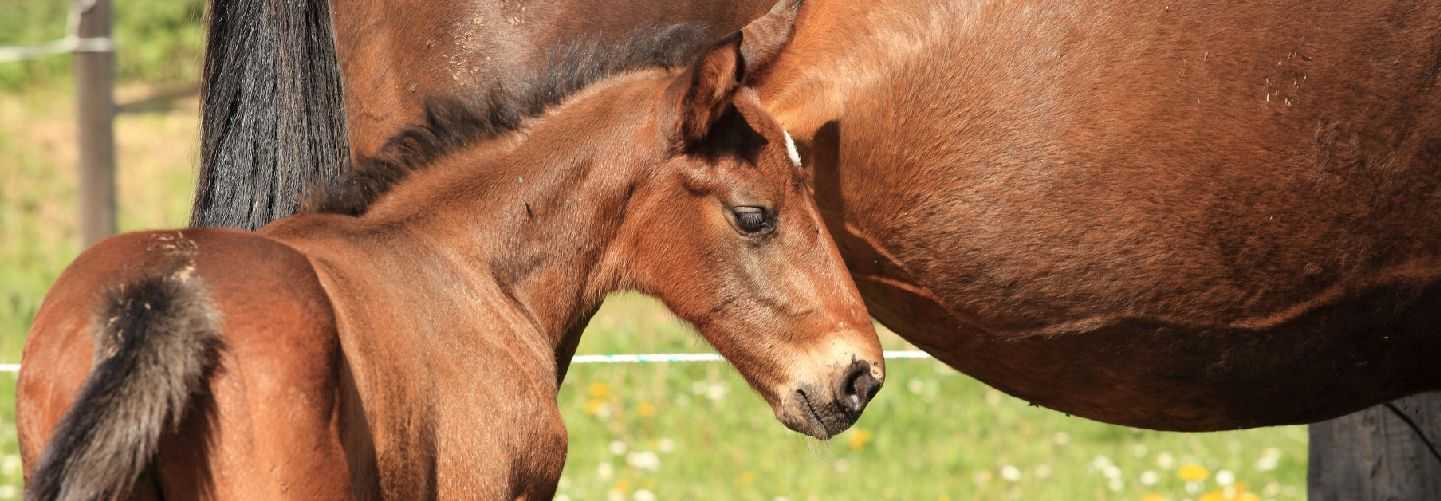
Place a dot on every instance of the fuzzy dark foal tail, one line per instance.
(156, 343)
(272, 119)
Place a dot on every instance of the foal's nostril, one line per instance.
(858, 386)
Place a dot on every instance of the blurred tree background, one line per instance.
(158, 40)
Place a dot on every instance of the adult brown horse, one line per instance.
(410, 346)
(1188, 216)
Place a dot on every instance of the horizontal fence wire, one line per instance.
(663, 358)
(68, 45)
(65, 45)
(645, 358)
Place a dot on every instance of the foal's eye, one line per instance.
(754, 220)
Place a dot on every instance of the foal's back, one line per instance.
(273, 386)
(336, 340)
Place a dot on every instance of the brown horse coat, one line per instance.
(497, 53)
(1188, 215)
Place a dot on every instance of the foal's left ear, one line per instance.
(731, 63)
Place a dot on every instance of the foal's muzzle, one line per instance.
(825, 410)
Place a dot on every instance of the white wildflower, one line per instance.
(1270, 458)
(1043, 471)
(1165, 460)
(1100, 463)
(1225, 478)
(716, 392)
(1149, 478)
(1061, 438)
(643, 460)
(1110, 471)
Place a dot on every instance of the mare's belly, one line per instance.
(1346, 350)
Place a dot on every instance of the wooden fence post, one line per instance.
(1373, 455)
(95, 114)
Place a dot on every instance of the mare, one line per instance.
(1193, 215)
(404, 338)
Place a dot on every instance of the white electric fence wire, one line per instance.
(70, 44)
(645, 358)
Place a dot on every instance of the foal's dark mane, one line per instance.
(453, 123)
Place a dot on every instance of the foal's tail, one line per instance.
(272, 119)
(157, 342)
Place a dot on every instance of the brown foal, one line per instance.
(405, 339)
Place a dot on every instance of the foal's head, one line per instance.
(726, 233)
(676, 183)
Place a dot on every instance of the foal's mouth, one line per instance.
(822, 431)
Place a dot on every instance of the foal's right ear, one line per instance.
(734, 61)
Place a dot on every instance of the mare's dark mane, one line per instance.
(453, 123)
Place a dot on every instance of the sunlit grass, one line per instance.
(677, 431)
(931, 434)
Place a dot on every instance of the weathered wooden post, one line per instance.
(1373, 455)
(95, 114)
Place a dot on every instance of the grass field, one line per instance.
(686, 431)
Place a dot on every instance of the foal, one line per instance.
(411, 348)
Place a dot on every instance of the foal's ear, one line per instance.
(734, 61)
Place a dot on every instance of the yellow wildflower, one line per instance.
(594, 407)
(1246, 496)
(645, 409)
(858, 439)
(1213, 496)
(1193, 473)
(747, 478)
(1153, 497)
(621, 486)
(599, 390)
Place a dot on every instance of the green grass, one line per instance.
(682, 431)
(155, 40)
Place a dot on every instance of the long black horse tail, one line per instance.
(273, 119)
(156, 343)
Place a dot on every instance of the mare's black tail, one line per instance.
(156, 342)
(273, 119)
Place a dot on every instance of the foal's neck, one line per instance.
(535, 214)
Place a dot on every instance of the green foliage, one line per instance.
(156, 40)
